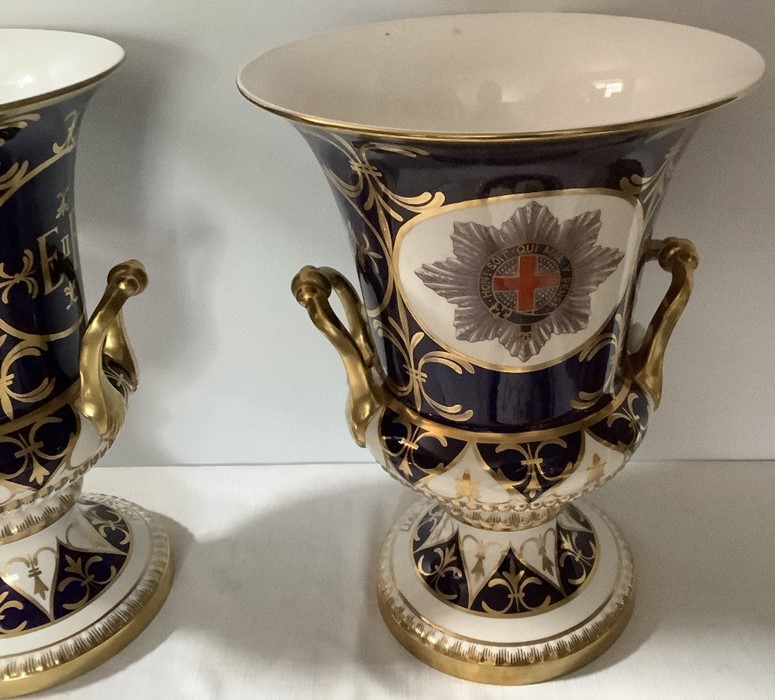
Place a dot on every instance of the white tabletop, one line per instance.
(274, 595)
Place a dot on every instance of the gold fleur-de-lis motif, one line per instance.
(595, 471)
(81, 570)
(466, 487)
(408, 446)
(63, 208)
(31, 452)
(25, 276)
(569, 548)
(112, 523)
(534, 465)
(70, 290)
(626, 412)
(516, 581)
(447, 565)
(34, 571)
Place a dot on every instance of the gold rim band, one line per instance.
(49, 98)
(485, 137)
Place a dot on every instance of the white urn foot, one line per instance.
(505, 608)
(75, 593)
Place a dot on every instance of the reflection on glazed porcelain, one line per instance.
(500, 193)
(70, 567)
(540, 72)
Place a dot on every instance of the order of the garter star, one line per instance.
(525, 281)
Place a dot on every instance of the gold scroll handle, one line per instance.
(679, 257)
(312, 288)
(105, 337)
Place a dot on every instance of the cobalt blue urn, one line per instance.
(80, 575)
(499, 176)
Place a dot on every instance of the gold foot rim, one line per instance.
(511, 665)
(65, 660)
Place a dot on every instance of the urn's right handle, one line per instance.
(312, 287)
(679, 257)
(106, 336)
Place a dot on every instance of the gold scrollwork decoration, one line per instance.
(371, 198)
(19, 174)
(15, 124)
(10, 605)
(586, 399)
(106, 336)
(369, 193)
(397, 333)
(7, 376)
(649, 189)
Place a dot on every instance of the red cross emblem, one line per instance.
(526, 281)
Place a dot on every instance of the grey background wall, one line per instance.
(224, 203)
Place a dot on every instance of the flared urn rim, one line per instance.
(41, 65)
(501, 76)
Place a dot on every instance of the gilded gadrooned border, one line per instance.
(21, 517)
(500, 517)
(87, 649)
(513, 514)
(504, 664)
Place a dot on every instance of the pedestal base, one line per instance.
(505, 608)
(78, 591)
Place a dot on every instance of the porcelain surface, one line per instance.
(500, 73)
(40, 63)
(77, 579)
(499, 177)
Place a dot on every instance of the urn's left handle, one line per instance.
(312, 287)
(105, 337)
